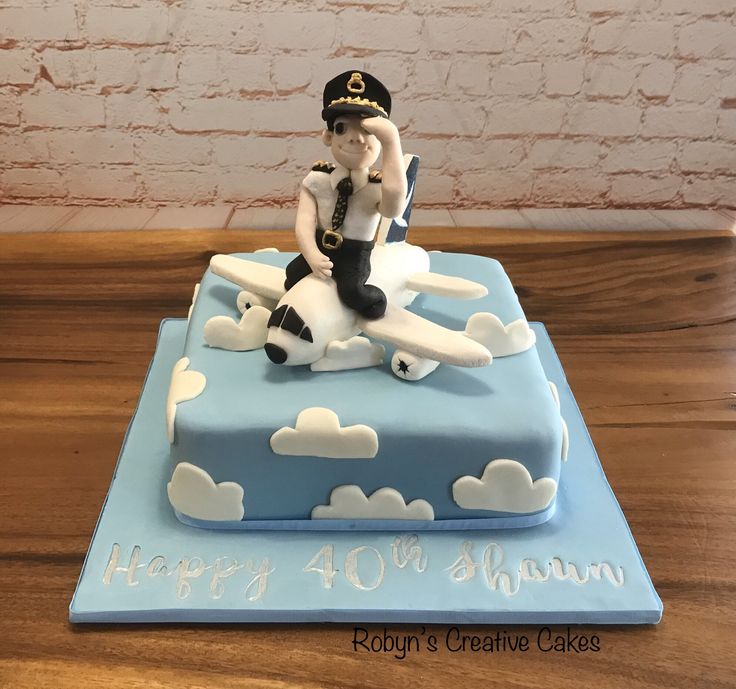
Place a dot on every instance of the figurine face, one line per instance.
(352, 146)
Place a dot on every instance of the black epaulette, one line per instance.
(323, 166)
(375, 176)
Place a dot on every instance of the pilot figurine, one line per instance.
(340, 205)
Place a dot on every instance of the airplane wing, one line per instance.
(426, 339)
(446, 286)
(259, 278)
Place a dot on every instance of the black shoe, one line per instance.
(374, 310)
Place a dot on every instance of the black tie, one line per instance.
(344, 189)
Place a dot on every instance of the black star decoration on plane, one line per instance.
(403, 367)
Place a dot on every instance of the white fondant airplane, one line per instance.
(298, 326)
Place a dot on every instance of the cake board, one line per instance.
(144, 565)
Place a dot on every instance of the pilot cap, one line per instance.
(355, 93)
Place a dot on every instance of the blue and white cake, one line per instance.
(360, 426)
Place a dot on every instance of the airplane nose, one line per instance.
(275, 353)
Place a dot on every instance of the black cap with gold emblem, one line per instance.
(355, 93)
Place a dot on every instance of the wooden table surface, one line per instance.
(645, 326)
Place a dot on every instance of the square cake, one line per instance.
(258, 445)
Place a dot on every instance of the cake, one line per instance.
(286, 410)
(258, 445)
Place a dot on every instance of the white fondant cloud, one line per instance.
(350, 502)
(555, 393)
(506, 486)
(194, 300)
(193, 492)
(565, 435)
(357, 352)
(185, 385)
(267, 250)
(488, 330)
(317, 433)
(250, 333)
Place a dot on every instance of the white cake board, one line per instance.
(143, 565)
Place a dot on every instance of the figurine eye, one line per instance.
(340, 128)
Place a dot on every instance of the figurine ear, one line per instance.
(327, 137)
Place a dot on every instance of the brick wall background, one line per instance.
(598, 103)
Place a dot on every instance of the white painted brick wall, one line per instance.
(641, 156)
(33, 183)
(610, 78)
(96, 146)
(31, 149)
(579, 187)
(101, 183)
(522, 79)
(18, 68)
(633, 37)
(70, 68)
(36, 24)
(114, 67)
(127, 25)
(656, 79)
(598, 103)
(727, 125)
(515, 117)
(191, 25)
(10, 111)
(563, 78)
(645, 189)
(44, 107)
(564, 154)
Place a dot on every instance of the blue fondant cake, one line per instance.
(257, 445)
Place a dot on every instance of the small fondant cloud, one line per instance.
(193, 493)
(565, 434)
(357, 352)
(488, 330)
(350, 502)
(194, 301)
(555, 393)
(223, 332)
(185, 385)
(506, 486)
(318, 433)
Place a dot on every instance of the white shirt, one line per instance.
(362, 217)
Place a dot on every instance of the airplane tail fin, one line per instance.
(395, 229)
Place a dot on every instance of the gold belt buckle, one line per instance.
(331, 240)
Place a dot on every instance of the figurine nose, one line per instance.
(357, 135)
(275, 353)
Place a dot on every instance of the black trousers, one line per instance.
(351, 266)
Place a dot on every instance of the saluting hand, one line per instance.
(382, 128)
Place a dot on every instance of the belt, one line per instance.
(333, 241)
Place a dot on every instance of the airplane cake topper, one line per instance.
(343, 283)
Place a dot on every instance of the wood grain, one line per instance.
(645, 326)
